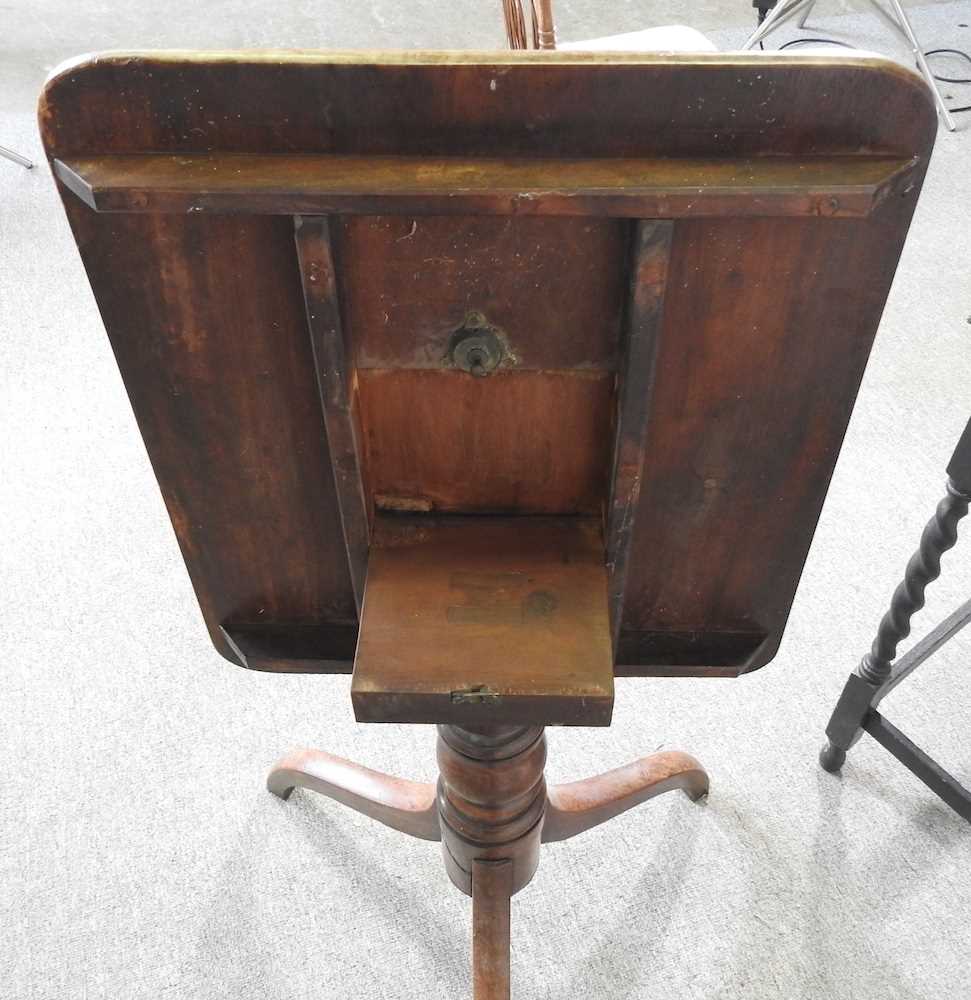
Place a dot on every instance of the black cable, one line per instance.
(929, 52)
(946, 79)
(953, 52)
(818, 41)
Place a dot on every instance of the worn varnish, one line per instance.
(627, 188)
(485, 621)
(773, 287)
(491, 808)
(635, 379)
(518, 272)
(531, 437)
(532, 443)
(537, 366)
(318, 275)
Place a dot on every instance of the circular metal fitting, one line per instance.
(475, 346)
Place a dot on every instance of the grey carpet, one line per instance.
(140, 856)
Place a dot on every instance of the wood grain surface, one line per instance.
(414, 185)
(485, 621)
(767, 320)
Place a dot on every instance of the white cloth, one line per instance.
(670, 38)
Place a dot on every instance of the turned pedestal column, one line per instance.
(491, 800)
(491, 810)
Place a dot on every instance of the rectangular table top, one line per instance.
(696, 248)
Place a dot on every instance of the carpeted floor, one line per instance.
(140, 856)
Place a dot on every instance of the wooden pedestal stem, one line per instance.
(491, 810)
(491, 800)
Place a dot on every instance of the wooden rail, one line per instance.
(842, 186)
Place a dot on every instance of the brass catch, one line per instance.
(481, 694)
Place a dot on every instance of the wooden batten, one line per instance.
(292, 647)
(635, 378)
(318, 276)
(636, 188)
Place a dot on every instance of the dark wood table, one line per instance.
(507, 373)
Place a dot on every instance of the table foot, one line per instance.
(407, 806)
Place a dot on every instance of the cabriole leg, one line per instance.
(407, 806)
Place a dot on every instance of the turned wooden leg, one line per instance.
(581, 805)
(491, 797)
(873, 678)
(408, 806)
(492, 886)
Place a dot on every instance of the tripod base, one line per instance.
(491, 810)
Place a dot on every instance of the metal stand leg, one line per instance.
(801, 23)
(783, 11)
(16, 157)
(901, 23)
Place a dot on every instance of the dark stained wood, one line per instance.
(649, 275)
(475, 621)
(493, 625)
(319, 278)
(626, 188)
(492, 799)
(292, 647)
(745, 425)
(520, 274)
(674, 653)
(519, 442)
(438, 439)
(406, 806)
(299, 647)
(206, 321)
(766, 328)
(493, 104)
